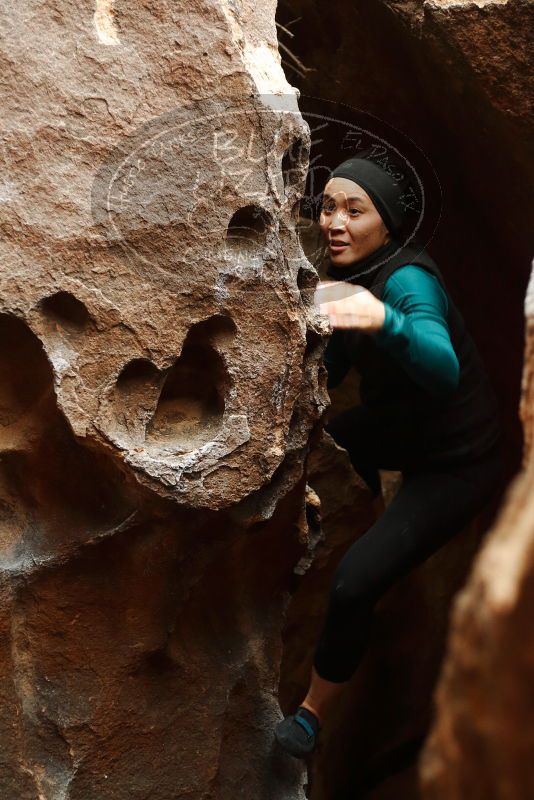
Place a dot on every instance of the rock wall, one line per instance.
(159, 383)
(481, 742)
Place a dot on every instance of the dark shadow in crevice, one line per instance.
(25, 373)
(55, 493)
(248, 229)
(314, 344)
(191, 404)
(294, 164)
(307, 279)
(64, 309)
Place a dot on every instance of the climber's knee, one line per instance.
(348, 596)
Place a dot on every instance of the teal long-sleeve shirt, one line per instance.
(415, 331)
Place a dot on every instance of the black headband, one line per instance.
(385, 192)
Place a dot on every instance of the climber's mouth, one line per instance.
(336, 245)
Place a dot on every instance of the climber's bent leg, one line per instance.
(428, 509)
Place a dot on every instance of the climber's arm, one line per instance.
(415, 329)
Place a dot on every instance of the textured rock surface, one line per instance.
(116, 210)
(527, 395)
(482, 741)
(159, 381)
(159, 366)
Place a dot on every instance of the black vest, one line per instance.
(426, 429)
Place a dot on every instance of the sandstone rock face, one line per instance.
(159, 382)
(527, 396)
(481, 743)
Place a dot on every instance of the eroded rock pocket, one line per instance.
(180, 408)
(248, 229)
(191, 403)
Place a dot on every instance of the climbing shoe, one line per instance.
(297, 734)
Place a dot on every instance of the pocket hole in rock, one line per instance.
(135, 396)
(66, 311)
(294, 163)
(138, 372)
(192, 400)
(248, 228)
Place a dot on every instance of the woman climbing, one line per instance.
(427, 410)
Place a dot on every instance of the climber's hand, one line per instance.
(349, 306)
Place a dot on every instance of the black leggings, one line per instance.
(432, 504)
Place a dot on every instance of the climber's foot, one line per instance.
(297, 734)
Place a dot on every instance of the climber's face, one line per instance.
(350, 222)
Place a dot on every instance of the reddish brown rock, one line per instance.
(526, 408)
(159, 382)
(481, 743)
